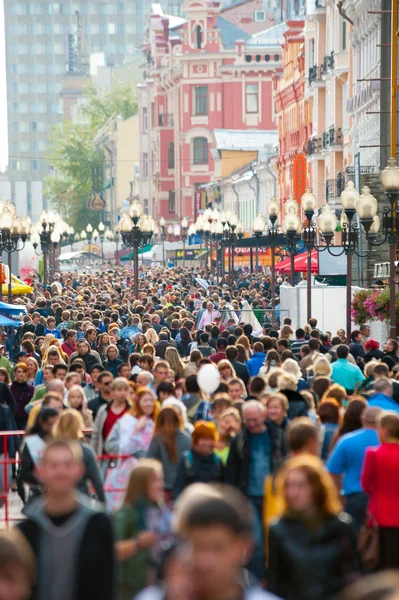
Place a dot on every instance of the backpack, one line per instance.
(189, 461)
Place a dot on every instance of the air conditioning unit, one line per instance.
(260, 16)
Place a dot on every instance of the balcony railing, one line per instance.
(315, 74)
(332, 137)
(334, 187)
(328, 63)
(165, 120)
(314, 146)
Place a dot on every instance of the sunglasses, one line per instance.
(106, 382)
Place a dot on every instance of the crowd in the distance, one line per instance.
(133, 400)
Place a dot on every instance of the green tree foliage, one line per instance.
(77, 163)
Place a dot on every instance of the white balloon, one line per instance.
(208, 378)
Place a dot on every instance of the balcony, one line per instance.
(332, 138)
(165, 120)
(315, 74)
(314, 146)
(334, 188)
(328, 63)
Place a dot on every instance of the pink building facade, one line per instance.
(209, 71)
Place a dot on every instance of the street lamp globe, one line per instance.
(95, 234)
(6, 219)
(366, 204)
(273, 208)
(184, 223)
(125, 224)
(35, 239)
(170, 229)
(101, 227)
(135, 211)
(162, 222)
(291, 223)
(16, 228)
(233, 221)
(259, 224)
(176, 230)
(9, 205)
(219, 228)
(89, 228)
(309, 201)
(83, 235)
(55, 237)
(390, 176)
(349, 196)
(327, 222)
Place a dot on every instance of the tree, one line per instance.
(76, 162)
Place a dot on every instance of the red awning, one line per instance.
(300, 263)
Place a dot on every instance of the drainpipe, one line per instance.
(342, 12)
(238, 199)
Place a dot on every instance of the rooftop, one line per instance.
(245, 140)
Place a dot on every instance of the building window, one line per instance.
(29, 202)
(33, 126)
(251, 98)
(145, 165)
(15, 165)
(15, 127)
(34, 165)
(146, 209)
(145, 120)
(201, 100)
(248, 58)
(172, 201)
(198, 37)
(343, 34)
(200, 147)
(171, 155)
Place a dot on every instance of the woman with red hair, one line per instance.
(200, 464)
(373, 352)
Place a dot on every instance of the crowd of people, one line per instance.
(189, 443)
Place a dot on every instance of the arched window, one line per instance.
(198, 36)
(200, 151)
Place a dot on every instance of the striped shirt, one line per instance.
(296, 347)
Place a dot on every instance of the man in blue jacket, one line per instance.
(382, 396)
(257, 360)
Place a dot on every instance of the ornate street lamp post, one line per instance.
(12, 232)
(136, 230)
(47, 232)
(101, 229)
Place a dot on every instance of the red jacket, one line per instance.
(380, 479)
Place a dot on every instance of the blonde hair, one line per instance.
(137, 487)
(120, 383)
(151, 336)
(222, 364)
(324, 491)
(321, 367)
(175, 362)
(291, 366)
(280, 397)
(76, 389)
(69, 425)
(287, 381)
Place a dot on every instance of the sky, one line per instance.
(3, 94)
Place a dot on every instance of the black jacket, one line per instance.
(196, 468)
(160, 348)
(311, 563)
(297, 405)
(238, 463)
(374, 353)
(390, 359)
(95, 405)
(241, 371)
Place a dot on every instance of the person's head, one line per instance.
(17, 566)
(226, 369)
(383, 385)
(335, 392)
(69, 425)
(356, 336)
(388, 426)
(71, 336)
(145, 404)
(286, 381)
(328, 412)
(221, 344)
(120, 389)
(276, 408)
(47, 417)
(236, 389)
(380, 370)
(60, 371)
(204, 437)
(82, 347)
(146, 362)
(91, 335)
(105, 380)
(145, 482)
(391, 346)
(161, 372)
(195, 356)
(112, 352)
(4, 376)
(302, 436)
(229, 423)
(20, 372)
(144, 379)
(217, 524)
(61, 467)
(321, 367)
(370, 417)
(306, 487)
(192, 386)
(253, 413)
(300, 333)
(76, 397)
(124, 370)
(314, 345)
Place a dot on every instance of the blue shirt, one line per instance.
(256, 362)
(384, 402)
(347, 458)
(260, 462)
(346, 374)
(55, 332)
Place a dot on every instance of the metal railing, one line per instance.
(328, 63)
(334, 187)
(332, 137)
(166, 120)
(315, 74)
(314, 146)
